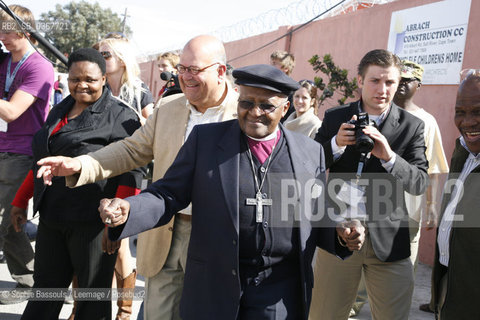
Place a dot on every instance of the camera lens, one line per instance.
(363, 144)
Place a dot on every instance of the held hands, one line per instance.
(57, 166)
(352, 234)
(18, 217)
(114, 212)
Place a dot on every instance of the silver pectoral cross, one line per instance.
(259, 202)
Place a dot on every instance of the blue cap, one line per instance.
(266, 77)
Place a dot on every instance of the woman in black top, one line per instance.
(69, 239)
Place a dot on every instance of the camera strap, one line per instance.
(362, 162)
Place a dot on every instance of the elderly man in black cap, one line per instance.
(258, 209)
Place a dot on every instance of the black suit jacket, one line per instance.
(206, 173)
(463, 290)
(387, 215)
(105, 121)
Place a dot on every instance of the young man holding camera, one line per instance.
(374, 194)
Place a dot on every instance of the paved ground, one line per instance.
(14, 311)
(421, 295)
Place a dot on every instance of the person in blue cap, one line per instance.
(252, 239)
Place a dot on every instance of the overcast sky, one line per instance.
(165, 25)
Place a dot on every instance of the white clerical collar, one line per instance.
(271, 136)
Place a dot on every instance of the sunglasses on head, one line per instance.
(301, 82)
(106, 54)
(116, 35)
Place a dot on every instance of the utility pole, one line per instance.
(125, 16)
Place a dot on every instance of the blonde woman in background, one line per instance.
(304, 120)
(123, 79)
(123, 74)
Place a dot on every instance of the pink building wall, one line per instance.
(347, 38)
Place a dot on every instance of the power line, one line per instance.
(288, 33)
(293, 14)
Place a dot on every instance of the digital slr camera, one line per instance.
(173, 86)
(363, 143)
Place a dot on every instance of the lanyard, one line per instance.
(11, 76)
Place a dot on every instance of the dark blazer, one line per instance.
(387, 223)
(206, 173)
(463, 290)
(105, 121)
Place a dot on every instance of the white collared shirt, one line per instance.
(211, 115)
(445, 228)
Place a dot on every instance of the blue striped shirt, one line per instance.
(445, 228)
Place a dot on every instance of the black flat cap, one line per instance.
(265, 76)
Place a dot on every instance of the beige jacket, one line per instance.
(307, 124)
(160, 138)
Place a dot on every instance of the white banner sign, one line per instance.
(433, 36)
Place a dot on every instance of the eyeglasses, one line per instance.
(264, 107)
(466, 73)
(192, 70)
(310, 82)
(106, 54)
(116, 35)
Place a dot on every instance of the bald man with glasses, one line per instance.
(207, 97)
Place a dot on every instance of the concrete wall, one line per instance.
(347, 38)
(151, 76)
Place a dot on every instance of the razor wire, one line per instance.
(294, 14)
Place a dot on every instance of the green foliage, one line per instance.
(337, 79)
(79, 25)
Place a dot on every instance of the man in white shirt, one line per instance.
(207, 97)
(422, 208)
